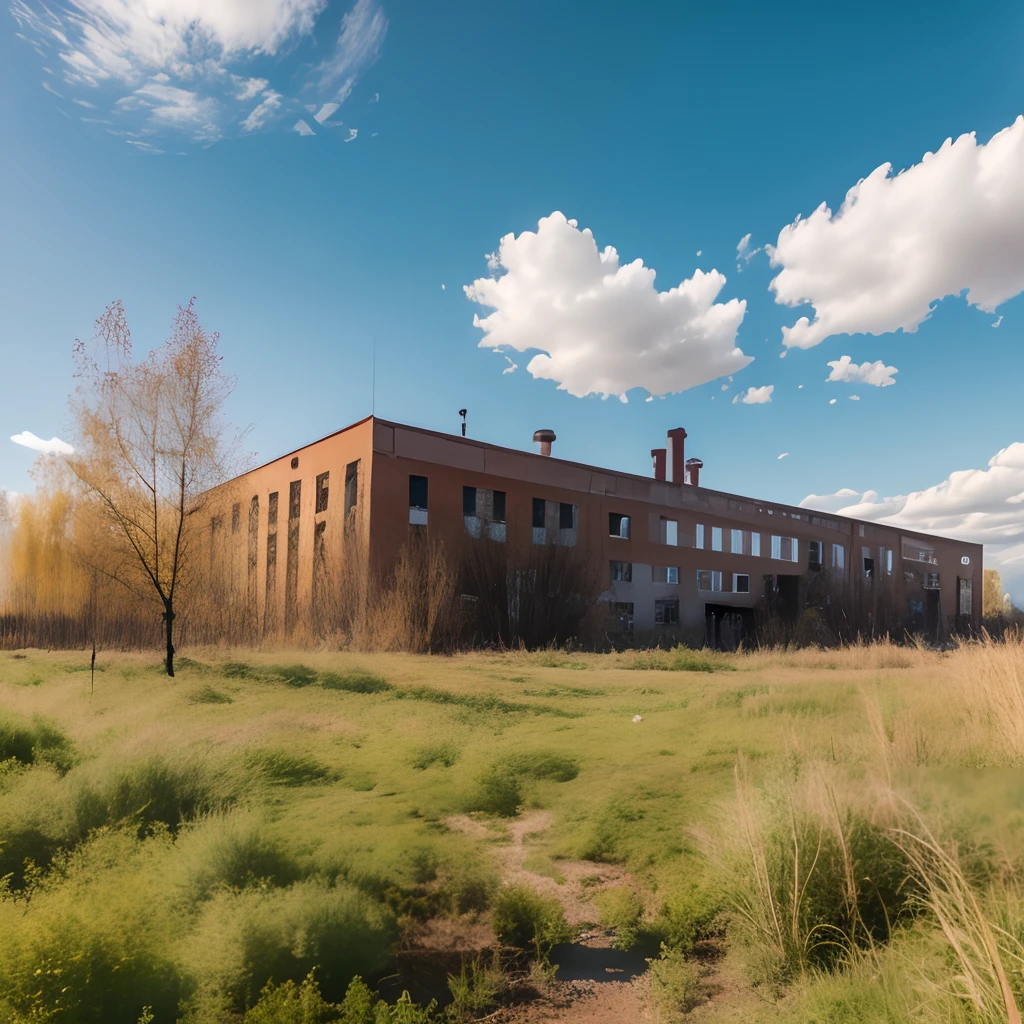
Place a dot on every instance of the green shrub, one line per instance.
(527, 920)
(360, 1006)
(497, 792)
(678, 659)
(444, 754)
(688, 916)
(675, 984)
(474, 989)
(238, 670)
(281, 768)
(293, 675)
(622, 910)
(41, 741)
(610, 827)
(289, 1003)
(355, 681)
(542, 765)
(208, 695)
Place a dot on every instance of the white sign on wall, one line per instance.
(965, 559)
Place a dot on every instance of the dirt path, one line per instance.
(595, 983)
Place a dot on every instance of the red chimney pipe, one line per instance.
(693, 468)
(658, 454)
(676, 462)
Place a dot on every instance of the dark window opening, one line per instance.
(538, 513)
(270, 608)
(291, 577)
(621, 572)
(272, 509)
(566, 516)
(622, 615)
(236, 517)
(322, 490)
(814, 555)
(618, 525)
(869, 567)
(294, 499)
(499, 506)
(253, 554)
(295, 462)
(741, 583)
(417, 492)
(666, 612)
(351, 496)
(469, 501)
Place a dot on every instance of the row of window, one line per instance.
(707, 579)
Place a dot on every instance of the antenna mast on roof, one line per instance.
(462, 413)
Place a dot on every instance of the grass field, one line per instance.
(788, 836)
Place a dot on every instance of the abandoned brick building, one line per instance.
(672, 552)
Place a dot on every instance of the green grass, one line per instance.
(183, 843)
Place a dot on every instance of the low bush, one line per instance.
(443, 754)
(497, 792)
(282, 768)
(675, 984)
(355, 681)
(208, 695)
(293, 675)
(690, 915)
(39, 742)
(622, 910)
(677, 659)
(475, 988)
(542, 765)
(527, 920)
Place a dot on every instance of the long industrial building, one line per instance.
(674, 554)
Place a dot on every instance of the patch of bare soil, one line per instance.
(594, 983)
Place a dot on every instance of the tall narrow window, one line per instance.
(622, 572)
(618, 525)
(272, 510)
(351, 496)
(322, 491)
(838, 556)
(776, 547)
(538, 521)
(294, 499)
(499, 506)
(566, 516)
(716, 538)
(736, 542)
(319, 590)
(868, 563)
(670, 532)
(253, 552)
(814, 556)
(755, 544)
(236, 517)
(740, 583)
(291, 563)
(417, 500)
(270, 605)
(698, 537)
(469, 501)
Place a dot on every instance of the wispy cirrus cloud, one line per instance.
(55, 446)
(200, 69)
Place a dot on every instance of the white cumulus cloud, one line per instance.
(602, 327)
(55, 446)
(258, 117)
(982, 506)
(900, 243)
(846, 371)
(755, 396)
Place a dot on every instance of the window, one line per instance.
(965, 589)
(838, 556)
(618, 525)
(622, 614)
(236, 517)
(539, 533)
(322, 491)
(294, 499)
(755, 544)
(469, 501)
(566, 516)
(708, 580)
(417, 500)
(776, 547)
(272, 509)
(740, 583)
(698, 537)
(867, 563)
(621, 572)
(786, 549)
(669, 532)
(860, 529)
(665, 574)
(931, 581)
(814, 556)
(499, 507)
(666, 611)
(913, 552)
(716, 538)
(351, 496)
(885, 561)
(736, 542)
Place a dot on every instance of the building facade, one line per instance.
(672, 552)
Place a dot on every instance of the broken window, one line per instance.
(622, 572)
(666, 611)
(716, 538)
(965, 589)
(698, 537)
(740, 583)
(885, 561)
(622, 613)
(838, 557)
(322, 489)
(566, 516)
(417, 500)
(351, 496)
(539, 532)
(669, 532)
(618, 525)
(814, 555)
(914, 552)
(253, 553)
(867, 563)
(931, 581)
(708, 579)
(236, 517)
(294, 499)
(469, 501)
(498, 515)
(272, 509)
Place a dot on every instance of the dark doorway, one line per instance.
(782, 596)
(931, 614)
(726, 627)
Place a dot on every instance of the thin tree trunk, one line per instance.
(169, 620)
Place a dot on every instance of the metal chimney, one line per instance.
(693, 468)
(545, 438)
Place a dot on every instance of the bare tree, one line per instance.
(151, 441)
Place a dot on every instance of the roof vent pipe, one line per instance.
(693, 468)
(545, 438)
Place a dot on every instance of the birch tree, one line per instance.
(151, 439)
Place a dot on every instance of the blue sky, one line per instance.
(662, 128)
